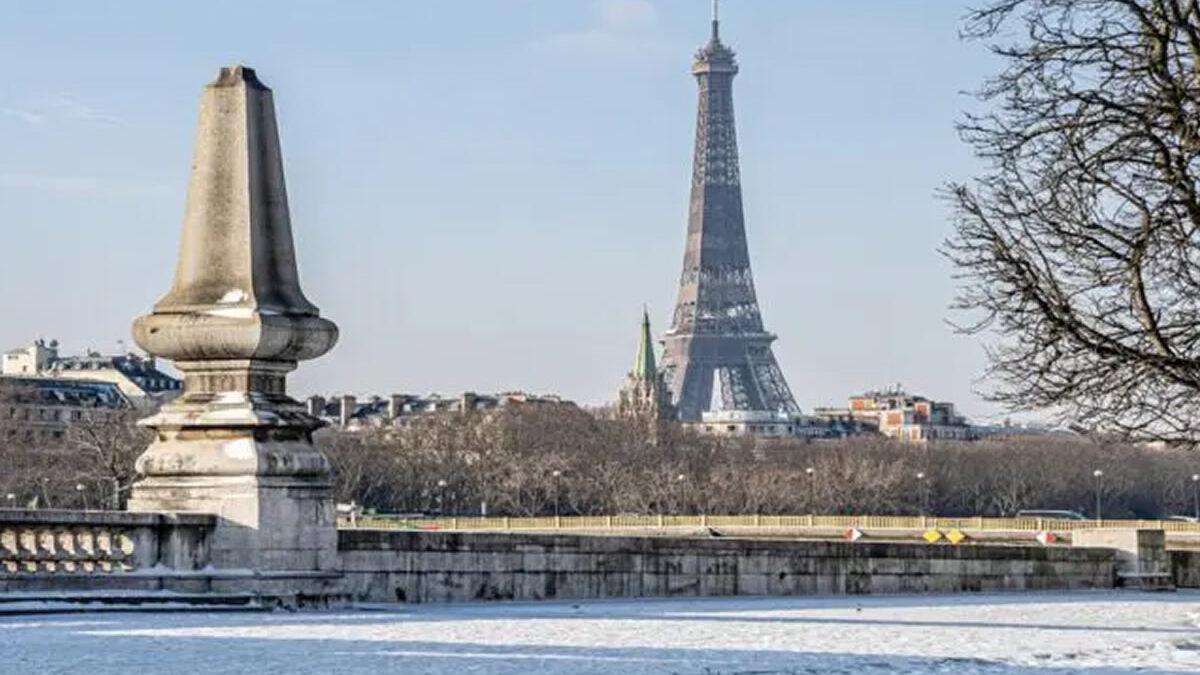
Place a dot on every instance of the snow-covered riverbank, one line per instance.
(1005, 634)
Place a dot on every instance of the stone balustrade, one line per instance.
(100, 542)
(66, 549)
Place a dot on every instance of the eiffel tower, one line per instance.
(716, 354)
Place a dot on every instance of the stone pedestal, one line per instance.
(235, 322)
(264, 522)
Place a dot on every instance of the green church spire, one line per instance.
(644, 366)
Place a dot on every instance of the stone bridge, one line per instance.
(234, 498)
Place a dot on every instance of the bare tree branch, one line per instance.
(1077, 248)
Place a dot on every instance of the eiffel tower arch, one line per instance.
(716, 354)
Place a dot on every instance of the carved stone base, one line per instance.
(264, 522)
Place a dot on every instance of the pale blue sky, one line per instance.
(485, 192)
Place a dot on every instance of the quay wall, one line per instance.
(420, 566)
(47, 551)
(1185, 568)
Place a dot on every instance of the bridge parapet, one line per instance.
(100, 542)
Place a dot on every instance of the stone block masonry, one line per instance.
(1142, 558)
(383, 566)
(1185, 568)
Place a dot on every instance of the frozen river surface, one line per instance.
(1003, 634)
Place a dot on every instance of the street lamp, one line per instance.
(1196, 495)
(679, 479)
(441, 497)
(921, 490)
(812, 502)
(10, 498)
(1099, 476)
(79, 487)
(557, 475)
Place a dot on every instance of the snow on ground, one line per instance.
(1049, 634)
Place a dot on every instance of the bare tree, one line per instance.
(104, 444)
(1078, 246)
(612, 466)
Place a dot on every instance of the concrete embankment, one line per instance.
(383, 566)
(85, 553)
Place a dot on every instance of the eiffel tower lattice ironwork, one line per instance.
(717, 355)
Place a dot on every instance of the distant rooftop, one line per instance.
(375, 409)
(141, 374)
(57, 391)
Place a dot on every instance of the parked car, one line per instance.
(1051, 514)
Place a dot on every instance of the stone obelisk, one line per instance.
(235, 322)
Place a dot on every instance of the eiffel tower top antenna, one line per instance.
(716, 13)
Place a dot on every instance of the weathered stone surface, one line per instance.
(1142, 559)
(87, 550)
(1185, 568)
(442, 566)
(235, 322)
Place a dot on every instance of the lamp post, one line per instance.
(10, 498)
(921, 490)
(441, 497)
(79, 488)
(1196, 496)
(1099, 476)
(680, 479)
(812, 502)
(557, 475)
